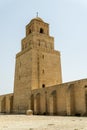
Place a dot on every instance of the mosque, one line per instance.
(38, 78)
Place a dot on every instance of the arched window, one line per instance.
(41, 30)
(43, 85)
(85, 86)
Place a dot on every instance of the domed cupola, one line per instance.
(38, 18)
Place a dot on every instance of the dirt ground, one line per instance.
(25, 122)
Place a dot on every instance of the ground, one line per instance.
(25, 122)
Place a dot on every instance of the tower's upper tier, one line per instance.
(37, 25)
(37, 35)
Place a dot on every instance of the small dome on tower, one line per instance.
(38, 18)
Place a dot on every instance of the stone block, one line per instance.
(29, 112)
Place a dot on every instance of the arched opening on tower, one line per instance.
(41, 30)
(43, 85)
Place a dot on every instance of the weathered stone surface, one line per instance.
(38, 86)
(37, 65)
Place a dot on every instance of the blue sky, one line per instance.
(68, 24)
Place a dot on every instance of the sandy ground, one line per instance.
(24, 122)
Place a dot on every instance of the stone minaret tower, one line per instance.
(37, 64)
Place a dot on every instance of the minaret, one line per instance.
(37, 64)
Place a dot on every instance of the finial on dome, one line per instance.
(37, 14)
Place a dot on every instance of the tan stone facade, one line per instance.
(6, 103)
(38, 78)
(64, 99)
(37, 65)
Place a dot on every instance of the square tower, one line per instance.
(38, 65)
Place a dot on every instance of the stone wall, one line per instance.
(6, 103)
(64, 99)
